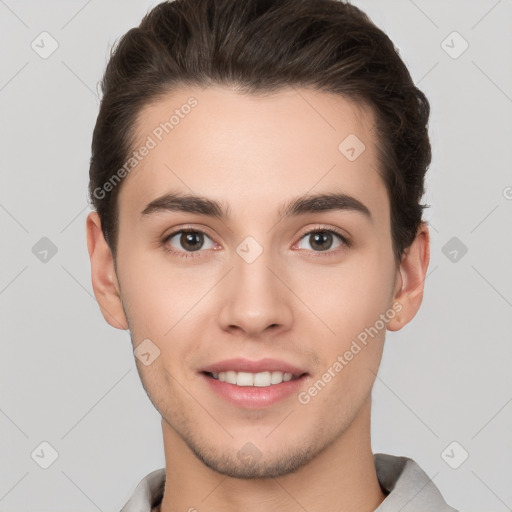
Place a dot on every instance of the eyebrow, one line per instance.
(189, 203)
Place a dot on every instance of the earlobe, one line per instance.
(410, 279)
(103, 274)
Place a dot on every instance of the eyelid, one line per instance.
(186, 227)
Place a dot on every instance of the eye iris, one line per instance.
(320, 238)
(187, 239)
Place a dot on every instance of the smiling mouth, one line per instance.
(260, 379)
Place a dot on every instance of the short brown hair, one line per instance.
(262, 46)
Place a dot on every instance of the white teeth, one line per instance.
(229, 377)
(244, 379)
(262, 379)
(276, 378)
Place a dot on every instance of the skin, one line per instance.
(295, 302)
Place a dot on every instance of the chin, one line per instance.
(250, 463)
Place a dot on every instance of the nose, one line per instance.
(255, 299)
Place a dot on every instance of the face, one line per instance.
(240, 289)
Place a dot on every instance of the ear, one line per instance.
(103, 274)
(410, 278)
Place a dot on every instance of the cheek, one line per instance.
(147, 295)
(351, 305)
(349, 298)
(165, 302)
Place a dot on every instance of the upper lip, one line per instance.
(246, 365)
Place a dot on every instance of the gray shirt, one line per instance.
(408, 486)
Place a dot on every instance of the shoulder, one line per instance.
(148, 494)
(407, 484)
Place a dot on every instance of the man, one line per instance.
(256, 174)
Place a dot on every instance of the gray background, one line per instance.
(69, 379)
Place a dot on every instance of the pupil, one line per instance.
(318, 237)
(187, 240)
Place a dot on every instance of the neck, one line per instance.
(341, 477)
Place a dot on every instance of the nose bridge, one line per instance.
(254, 297)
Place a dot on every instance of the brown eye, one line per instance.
(322, 240)
(187, 241)
(191, 240)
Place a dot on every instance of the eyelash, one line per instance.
(195, 254)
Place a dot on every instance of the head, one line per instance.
(251, 105)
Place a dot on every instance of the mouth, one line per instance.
(253, 384)
(261, 379)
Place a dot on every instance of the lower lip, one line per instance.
(254, 397)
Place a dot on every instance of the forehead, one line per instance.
(254, 150)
